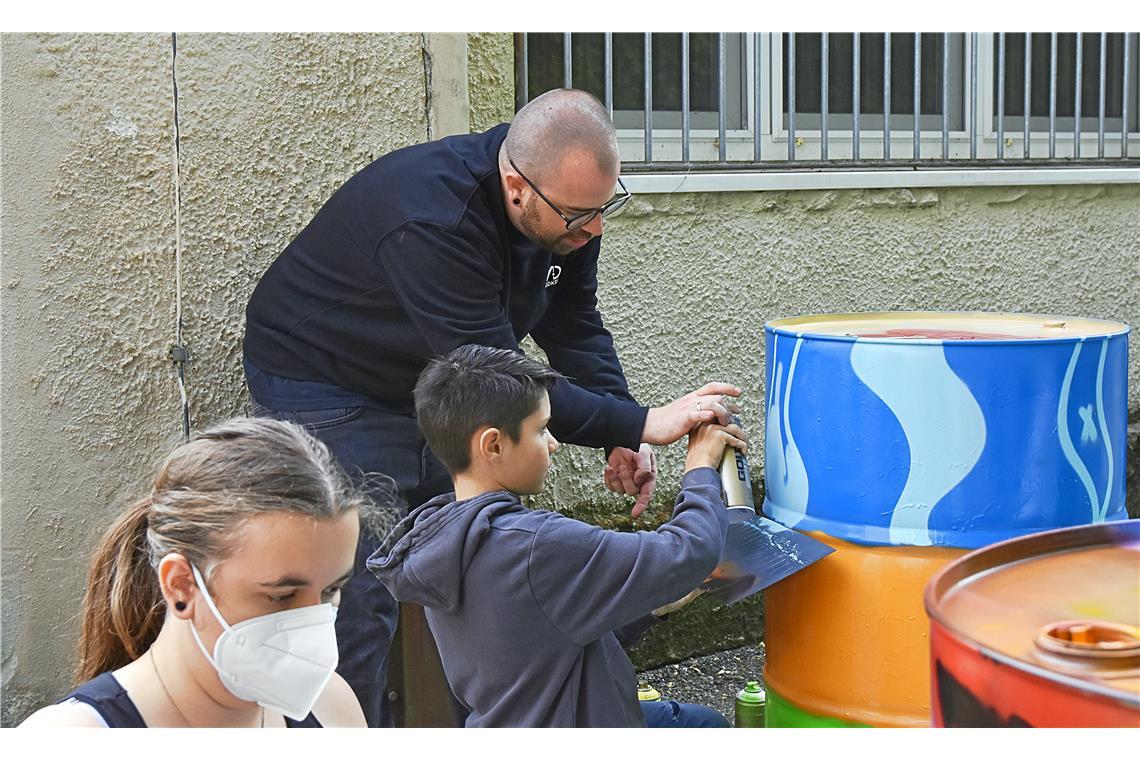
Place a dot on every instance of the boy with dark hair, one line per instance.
(530, 609)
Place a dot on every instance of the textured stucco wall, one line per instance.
(490, 78)
(88, 232)
(270, 126)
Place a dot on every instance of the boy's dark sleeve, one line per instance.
(590, 581)
(451, 290)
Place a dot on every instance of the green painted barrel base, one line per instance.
(783, 714)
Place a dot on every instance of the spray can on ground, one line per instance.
(750, 703)
(734, 477)
(646, 693)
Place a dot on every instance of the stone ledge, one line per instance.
(703, 627)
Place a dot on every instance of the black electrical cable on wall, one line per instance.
(178, 352)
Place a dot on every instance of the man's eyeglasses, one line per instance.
(581, 219)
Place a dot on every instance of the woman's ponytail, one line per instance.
(123, 607)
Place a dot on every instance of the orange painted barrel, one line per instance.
(1042, 631)
(847, 638)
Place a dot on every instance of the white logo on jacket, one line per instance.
(553, 275)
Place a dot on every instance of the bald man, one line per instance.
(482, 238)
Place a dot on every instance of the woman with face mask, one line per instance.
(211, 601)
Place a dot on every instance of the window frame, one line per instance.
(774, 171)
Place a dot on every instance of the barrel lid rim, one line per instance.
(775, 326)
(949, 577)
(1056, 539)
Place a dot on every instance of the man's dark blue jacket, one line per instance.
(414, 256)
(530, 609)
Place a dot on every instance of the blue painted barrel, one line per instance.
(944, 429)
(902, 440)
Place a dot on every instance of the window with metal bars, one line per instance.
(732, 100)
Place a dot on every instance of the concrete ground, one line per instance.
(712, 679)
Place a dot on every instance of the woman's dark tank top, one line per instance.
(108, 697)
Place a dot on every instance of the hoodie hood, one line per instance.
(425, 557)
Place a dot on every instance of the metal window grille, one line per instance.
(732, 101)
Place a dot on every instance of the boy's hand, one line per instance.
(707, 442)
(674, 606)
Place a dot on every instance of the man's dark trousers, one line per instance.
(364, 438)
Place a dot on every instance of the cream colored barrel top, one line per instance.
(934, 325)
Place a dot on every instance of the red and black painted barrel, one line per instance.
(1042, 630)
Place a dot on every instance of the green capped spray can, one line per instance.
(750, 702)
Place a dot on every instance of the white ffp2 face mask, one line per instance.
(282, 660)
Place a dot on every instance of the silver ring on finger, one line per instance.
(699, 406)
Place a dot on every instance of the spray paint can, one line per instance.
(646, 693)
(750, 703)
(734, 477)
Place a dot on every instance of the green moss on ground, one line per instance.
(703, 627)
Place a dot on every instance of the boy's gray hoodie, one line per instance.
(530, 608)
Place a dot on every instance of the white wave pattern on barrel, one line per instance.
(944, 426)
(1103, 428)
(1099, 509)
(785, 474)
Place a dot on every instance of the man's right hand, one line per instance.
(707, 442)
(666, 424)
